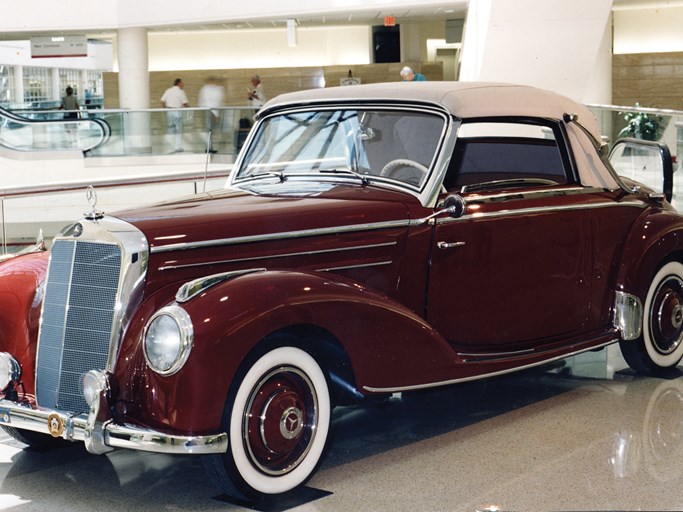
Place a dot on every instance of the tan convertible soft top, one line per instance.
(471, 100)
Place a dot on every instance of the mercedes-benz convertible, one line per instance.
(371, 240)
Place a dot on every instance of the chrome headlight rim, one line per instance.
(186, 338)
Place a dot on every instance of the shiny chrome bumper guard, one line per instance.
(100, 434)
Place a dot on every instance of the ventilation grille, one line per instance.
(76, 321)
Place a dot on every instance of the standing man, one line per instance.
(175, 98)
(70, 104)
(257, 96)
(211, 96)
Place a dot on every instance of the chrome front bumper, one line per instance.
(100, 434)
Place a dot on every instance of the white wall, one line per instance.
(599, 86)
(553, 44)
(259, 48)
(649, 30)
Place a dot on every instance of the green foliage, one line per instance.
(641, 125)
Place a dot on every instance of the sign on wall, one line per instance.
(59, 46)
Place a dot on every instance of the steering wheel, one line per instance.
(400, 163)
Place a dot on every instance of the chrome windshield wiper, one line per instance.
(364, 179)
(279, 175)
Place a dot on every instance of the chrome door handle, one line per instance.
(449, 245)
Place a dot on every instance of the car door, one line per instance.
(514, 270)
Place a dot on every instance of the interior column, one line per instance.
(133, 63)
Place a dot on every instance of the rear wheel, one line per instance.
(277, 421)
(660, 346)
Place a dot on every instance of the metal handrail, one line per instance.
(647, 110)
(18, 191)
(14, 192)
(103, 134)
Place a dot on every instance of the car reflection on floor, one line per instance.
(576, 435)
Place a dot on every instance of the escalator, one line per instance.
(49, 131)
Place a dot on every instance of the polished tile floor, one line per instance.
(581, 435)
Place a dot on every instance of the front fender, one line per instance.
(655, 238)
(375, 330)
(387, 344)
(21, 295)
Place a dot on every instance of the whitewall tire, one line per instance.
(660, 346)
(278, 425)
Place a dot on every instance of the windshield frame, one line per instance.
(426, 191)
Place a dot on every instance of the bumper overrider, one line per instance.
(97, 429)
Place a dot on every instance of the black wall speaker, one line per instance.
(386, 44)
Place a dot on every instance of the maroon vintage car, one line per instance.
(371, 240)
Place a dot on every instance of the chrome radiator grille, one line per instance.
(77, 320)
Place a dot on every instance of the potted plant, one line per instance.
(641, 125)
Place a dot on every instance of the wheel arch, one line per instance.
(324, 347)
(657, 240)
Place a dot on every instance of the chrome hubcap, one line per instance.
(666, 327)
(280, 420)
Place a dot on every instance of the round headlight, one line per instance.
(168, 340)
(10, 370)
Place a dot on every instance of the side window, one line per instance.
(489, 152)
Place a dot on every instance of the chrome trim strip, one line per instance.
(360, 265)
(353, 228)
(482, 376)
(282, 255)
(494, 355)
(628, 315)
(197, 286)
(282, 235)
(542, 209)
(478, 198)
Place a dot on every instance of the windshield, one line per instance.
(372, 145)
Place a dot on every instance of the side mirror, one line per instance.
(455, 205)
(645, 162)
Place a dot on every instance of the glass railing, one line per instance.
(119, 132)
(128, 132)
(641, 123)
(657, 125)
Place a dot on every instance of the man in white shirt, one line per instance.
(175, 98)
(257, 96)
(211, 96)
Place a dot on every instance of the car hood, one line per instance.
(227, 216)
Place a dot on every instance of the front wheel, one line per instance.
(35, 440)
(277, 421)
(660, 346)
